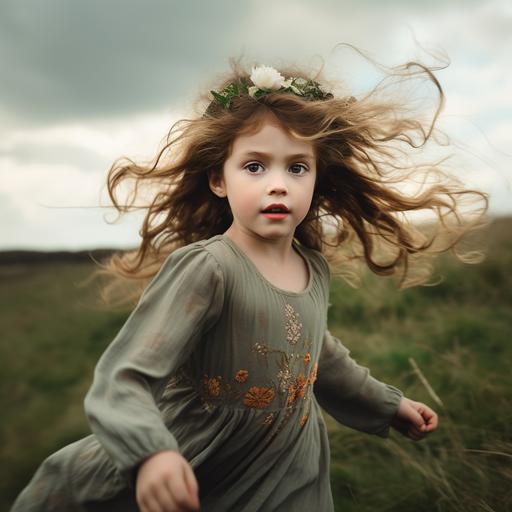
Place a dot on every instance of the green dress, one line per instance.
(228, 369)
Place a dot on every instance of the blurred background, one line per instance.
(84, 83)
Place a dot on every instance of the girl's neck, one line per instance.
(279, 251)
(275, 259)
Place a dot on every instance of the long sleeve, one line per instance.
(181, 302)
(350, 394)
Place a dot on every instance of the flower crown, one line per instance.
(266, 79)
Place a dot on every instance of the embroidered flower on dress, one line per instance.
(301, 385)
(290, 380)
(241, 375)
(293, 325)
(212, 386)
(292, 391)
(284, 375)
(259, 398)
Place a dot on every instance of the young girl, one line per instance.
(210, 394)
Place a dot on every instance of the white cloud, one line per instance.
(52, 198)
(138, 134)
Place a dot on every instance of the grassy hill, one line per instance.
(456, 336)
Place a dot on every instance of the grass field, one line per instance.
(458, 334)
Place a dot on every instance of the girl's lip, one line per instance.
(276, 216)
(280, 206)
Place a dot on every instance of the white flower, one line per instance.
(266, 77)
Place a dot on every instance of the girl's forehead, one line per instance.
(260, 120)
(269, 132)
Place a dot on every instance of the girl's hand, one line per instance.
(166, 483)
(414, 419)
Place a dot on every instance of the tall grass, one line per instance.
(448, 346)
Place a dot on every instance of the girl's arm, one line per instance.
(183, 299)
(350, 394)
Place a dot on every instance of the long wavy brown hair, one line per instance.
(360, 213)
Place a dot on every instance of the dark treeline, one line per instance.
(28, 256)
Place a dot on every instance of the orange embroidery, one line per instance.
(241, 375)
(259, 398)
(290, 381)
(291, 393)
(301, 385)
(212, 386)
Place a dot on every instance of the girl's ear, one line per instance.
(216, 183)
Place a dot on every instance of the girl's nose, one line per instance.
(278, 189)
(277, 186)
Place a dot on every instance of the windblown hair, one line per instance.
(360, 209)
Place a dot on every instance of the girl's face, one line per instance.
(268, 180)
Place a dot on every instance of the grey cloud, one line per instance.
(65, 59)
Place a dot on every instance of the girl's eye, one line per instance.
(250, 167)
(299, 169)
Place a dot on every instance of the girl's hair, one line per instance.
(360, 207)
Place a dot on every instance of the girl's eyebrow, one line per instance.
(266, 155)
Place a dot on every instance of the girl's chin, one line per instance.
(270, 232)
(277, 234)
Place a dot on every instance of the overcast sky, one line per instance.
(83, 83)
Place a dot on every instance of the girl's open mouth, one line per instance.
(276, 211)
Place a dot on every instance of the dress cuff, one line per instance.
(390, 406)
